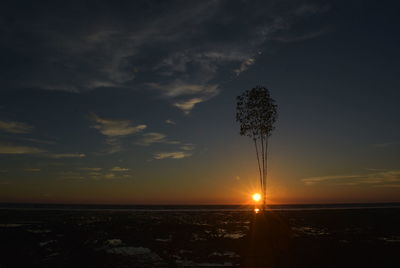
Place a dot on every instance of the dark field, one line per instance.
(96, 238)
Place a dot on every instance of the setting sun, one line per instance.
(256, 197)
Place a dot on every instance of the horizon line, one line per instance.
(195, 204)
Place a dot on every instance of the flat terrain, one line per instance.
(112, 238)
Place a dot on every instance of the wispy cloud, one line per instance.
(28, 150)
(180, 88)
(197, 93)
(97, 173)
(17, 149)
(113, 176)
(91, 168)
(109, 174)
(24, 138)
(244, 65)
(172, 155)
(67, 155)
(373, 178)
(320, 179)
(15, 127)
(119, 169)
(188, 147)
(178, 55)
(114, 130)
(154, 137)
(171, 122)
(187, 105)
(114, 145)
(150, 138)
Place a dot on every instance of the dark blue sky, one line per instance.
(134, 102)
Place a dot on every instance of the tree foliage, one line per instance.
(256, 112)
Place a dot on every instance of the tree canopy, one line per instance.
(256, 112)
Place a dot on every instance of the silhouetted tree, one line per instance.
(257, 112)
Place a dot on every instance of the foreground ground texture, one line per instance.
(318, 238)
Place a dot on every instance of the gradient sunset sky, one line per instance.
(133, 102)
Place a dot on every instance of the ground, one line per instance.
(123, 238)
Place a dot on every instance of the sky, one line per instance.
(133, 102)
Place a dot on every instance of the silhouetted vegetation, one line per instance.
(257, 112)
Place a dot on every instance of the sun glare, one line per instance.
(256, 197)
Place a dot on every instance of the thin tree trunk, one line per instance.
(265, 172)
(259, 167)
(263, 168)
